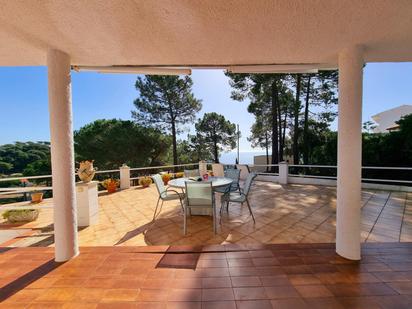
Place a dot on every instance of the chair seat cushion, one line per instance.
(193, 202)
(173, 196)
(236, 197)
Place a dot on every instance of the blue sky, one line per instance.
(24, 112)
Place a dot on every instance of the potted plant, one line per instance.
(110, 185)
(179, 175)
(145, 181)
(166, 178)
(36, 196)
(21, 215)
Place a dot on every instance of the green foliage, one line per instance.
(14, 158)
(216, 133)
(166, 102)
(114, 142)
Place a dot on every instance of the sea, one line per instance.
(245, 157)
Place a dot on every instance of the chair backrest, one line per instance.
(217, 169)
(199, 193)
(248, 183)
(161, 188)
(233, 174)
(244, 170)
(191, 173)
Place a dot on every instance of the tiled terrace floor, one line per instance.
(284, 214)
(227, 277)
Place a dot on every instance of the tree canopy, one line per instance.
(114, 142)
(216, 133)
(166, 102)
(15, 158)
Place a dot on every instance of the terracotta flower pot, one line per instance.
(36, 197)
(112, 187)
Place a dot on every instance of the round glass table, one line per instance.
(216, 182)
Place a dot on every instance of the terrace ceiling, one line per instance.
(187, 32)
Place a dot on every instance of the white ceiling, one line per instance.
(185, 32)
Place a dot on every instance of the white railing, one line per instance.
(283, 175)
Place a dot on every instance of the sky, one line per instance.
(24, 111)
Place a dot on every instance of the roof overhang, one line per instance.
(203, 33)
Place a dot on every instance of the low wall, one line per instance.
(331, 183)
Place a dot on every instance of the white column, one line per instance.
(62, 156)
(124, 177)
(283, 173)
(349, 153)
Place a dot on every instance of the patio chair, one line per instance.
(191, 173)
(199, 195)
(233, 174)
(165, 194)
(217, 170)
(241, 196)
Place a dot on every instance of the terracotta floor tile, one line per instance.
(284, 291)
(114, 295)
(289, 303)
(310, 291)
(184, 305)
(217, 294)
(402, 287)
(363, 289)
(157, 283)
(185, 295)
(192, 283)
(275, 280)
(120, 305)
(246, 281)
(324, 303)
(390, 276)
(253, 304)
(250, 293)
(151, 305)
(57, 294)
(240, 262)
(223, 282)
(303, 279)
(89, 294)
(80, 305)
(229, 304)
(360, 302)
(146, 295)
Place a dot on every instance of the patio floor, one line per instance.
(284, 214)
(227, 277)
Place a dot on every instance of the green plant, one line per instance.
(21, 215)
(145, 181)
(166, 178)
(110, 182)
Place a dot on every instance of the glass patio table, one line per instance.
(217, 182)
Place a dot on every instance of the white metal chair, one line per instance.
(239, 197)
(199, 195)
(233, 174)
(165, 194)
(244, 170)
(217, 170)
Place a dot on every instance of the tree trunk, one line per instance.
(296, 111)
(280, 133)
(306, 124)
(174, 146)
(215, 151)
(275, 136)
(284, 133)
(267, 150)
